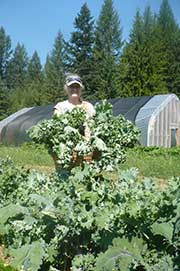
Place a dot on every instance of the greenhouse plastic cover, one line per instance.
(148, 112)
(12, 117)
(14, 132)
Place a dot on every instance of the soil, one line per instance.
(3, 258)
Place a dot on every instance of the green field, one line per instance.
(154, 162)
(133, 200)
(151, 162)
(5, 268)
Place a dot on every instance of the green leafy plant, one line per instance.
(82, 218)
(121, 254)
(86, 221)
(110, 136)
(60, 135)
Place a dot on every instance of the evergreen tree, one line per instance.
(54, 72)
(29, 93)
(130, 63)
(166, 20)
(169, 35)
(4, 98)
(17, 67)
(106, 51)
(16, 76)
(174, 69)
(142, 62)
(155, 61)
(34, 82)
(17, 99)
(34, 71)
(80, 48)
(5, 52)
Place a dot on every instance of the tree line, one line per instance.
(148, 63)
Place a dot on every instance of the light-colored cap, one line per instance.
(70, 80)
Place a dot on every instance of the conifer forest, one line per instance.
(145, 64)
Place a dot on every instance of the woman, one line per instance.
(73, 87)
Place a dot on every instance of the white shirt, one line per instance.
(63, 107)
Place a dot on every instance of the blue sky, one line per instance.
(35, 23)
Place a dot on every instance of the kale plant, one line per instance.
(110, 136)
(86, 221)
(82, 218)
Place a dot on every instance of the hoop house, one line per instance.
(157, 117)
(159, 121)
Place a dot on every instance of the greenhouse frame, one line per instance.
(157, 117)
(159, 121)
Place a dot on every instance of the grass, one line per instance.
(27, 154)
(30, 156)
(5, 268)
(151, 162)
(154, 162)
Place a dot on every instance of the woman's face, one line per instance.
(74, 90)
